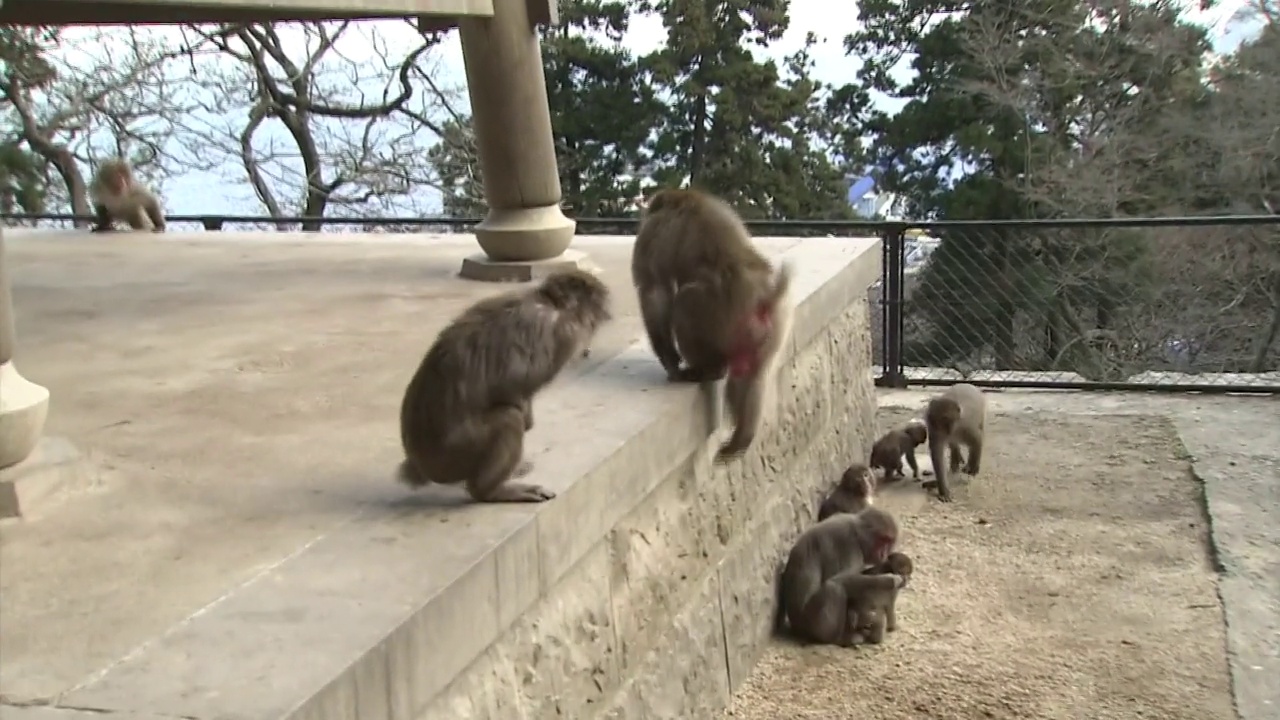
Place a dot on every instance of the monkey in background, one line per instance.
(823, 584)
(468, 406)
(710, 299)
(957, 417)
(117, 196)
(888, 451)
(854, 493)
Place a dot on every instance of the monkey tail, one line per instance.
(408, 474)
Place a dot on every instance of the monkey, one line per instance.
(710, 299)
(873, 616)
(824, 573)
(117, 196)
(888, 451)
(954, 418)
(854, 493)
(897, 563)
(470, 403)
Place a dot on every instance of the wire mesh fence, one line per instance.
(1165, 303)
(1180, 304)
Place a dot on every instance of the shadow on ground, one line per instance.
(1070, 579)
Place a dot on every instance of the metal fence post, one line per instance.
(891, 296)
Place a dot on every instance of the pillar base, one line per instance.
(525, 234)
(49, 474)
(481, 267)
(23, 408)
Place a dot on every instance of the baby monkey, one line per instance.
(117, 196)
(871, 615)
(889, 450)
(955, 418)
(854, 493)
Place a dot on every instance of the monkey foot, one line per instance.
(695, 375)
(520, 493)
(933, 485)
(728, 453)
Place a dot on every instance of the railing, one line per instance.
(1174, 304)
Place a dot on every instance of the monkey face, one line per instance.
(882, 549)
(942, 415)
(858, 480)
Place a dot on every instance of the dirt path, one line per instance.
(1070, 580)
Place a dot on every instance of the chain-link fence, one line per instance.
(1169, 303)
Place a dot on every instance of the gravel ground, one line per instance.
(1071, 579)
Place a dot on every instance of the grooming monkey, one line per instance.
(854, 493)
(956, 418)
(711, 300)
(469, 404)
(888, 451)
(823, 579)
(117, 196)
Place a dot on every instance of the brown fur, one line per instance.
(469, 404)
(888, 451)
(824, 577)
(118, 197)
(854, 493)
(957, 417)
(710, 299)
(874, 614)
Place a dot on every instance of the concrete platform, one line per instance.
(246, 554)
(54, 470)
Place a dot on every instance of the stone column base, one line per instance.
(49, 474)
(23, 408)
(525, 234)
(481, 267)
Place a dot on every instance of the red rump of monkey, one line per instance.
(744, 360)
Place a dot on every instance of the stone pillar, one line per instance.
(525, 232)
(23, 404)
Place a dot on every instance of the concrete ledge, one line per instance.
(643, 590)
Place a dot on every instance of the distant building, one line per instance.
(863, 197)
